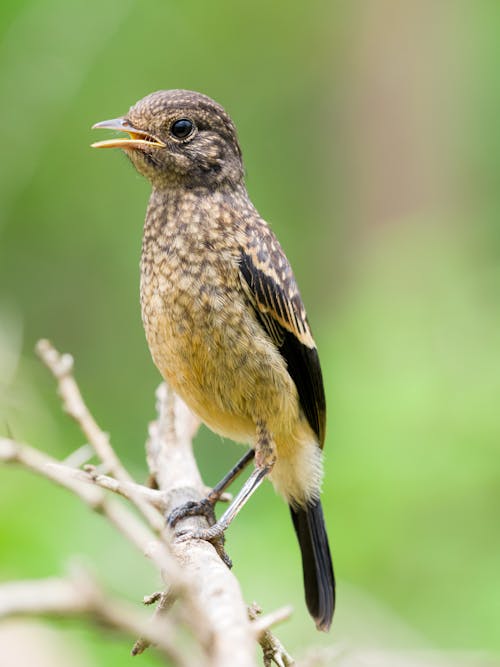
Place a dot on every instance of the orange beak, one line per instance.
(137, 138)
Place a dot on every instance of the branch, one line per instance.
(210, 600)
(228, 636)
(165, 602)
(79, 595)
(129, 490)
(61, 367)
(125, 521)
(272, 648)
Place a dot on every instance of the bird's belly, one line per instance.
(217, 358)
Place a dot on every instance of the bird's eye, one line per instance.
(182, 128)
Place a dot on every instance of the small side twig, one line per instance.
(165, 602)
(128, 490)
(272, 649)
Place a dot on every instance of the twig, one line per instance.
(79, 595)
(61, 367)
(129, 490)
(165, 602)
(38, 462)
(124, 520)
(272, 649)
(262, 623)
(79, 457)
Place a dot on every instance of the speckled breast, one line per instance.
(202, 332)
(207, 345)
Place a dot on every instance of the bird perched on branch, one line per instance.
(223, 316)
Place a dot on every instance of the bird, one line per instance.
(223, 316)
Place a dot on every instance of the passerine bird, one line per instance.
(223, 316)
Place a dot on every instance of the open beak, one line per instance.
(137, 138)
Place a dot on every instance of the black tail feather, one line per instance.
(319, 581)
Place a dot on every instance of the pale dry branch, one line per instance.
(262, 624)
(272, 649)
(79, 595)
(210, 601)
(128, 490)
(125, 521)
(165, 602)
(227, 635)
(40, 463)
(79, 457)
(61, 367)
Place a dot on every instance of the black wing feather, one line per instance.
(275, 298)
(305, 370)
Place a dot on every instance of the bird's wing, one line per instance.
(268, 281)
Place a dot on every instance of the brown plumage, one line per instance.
(223, 316)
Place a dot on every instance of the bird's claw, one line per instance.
(214, 535)
(192, 508)
(184, 535)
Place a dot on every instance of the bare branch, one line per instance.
(169, 448)
(262, 623)
(124, 520)
(165, 602)
(272, 649)
(61, 367)
(40, 463)
(211, 603)
(79, 595)
(80, 456)
(129, 490)
(227, 635)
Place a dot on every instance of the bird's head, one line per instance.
(179, 138)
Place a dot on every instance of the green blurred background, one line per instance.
(370, 132)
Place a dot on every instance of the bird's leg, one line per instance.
(229, 478)
(205, 507)
(265, 457)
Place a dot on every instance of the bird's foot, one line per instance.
(214, 534)
(192, 508)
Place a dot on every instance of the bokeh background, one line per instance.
(370, 132)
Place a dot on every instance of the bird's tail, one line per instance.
(319, 581)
